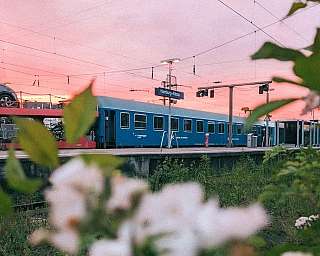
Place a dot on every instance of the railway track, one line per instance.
(30, 206)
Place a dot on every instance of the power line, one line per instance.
(27, 67)
(76, 59)
(149, 67)
(79, 12)
(249, 21)
(17, 71)
(68, 41)
(273, 15)
(247, 34)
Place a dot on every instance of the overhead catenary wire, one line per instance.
(77, 59)
(55, 38)
(67, 16)
(133, 69)
(255, 39)
(155, 66)
(281, 20)
(249, 21)
(142, 68)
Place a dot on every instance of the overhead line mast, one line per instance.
(203, 91)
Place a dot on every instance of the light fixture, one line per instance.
(170, 61)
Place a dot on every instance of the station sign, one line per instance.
(159, 91)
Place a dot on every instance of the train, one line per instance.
(126, 123)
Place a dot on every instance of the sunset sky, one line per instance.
(51, 40)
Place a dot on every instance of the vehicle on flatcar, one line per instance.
(127, 123)
(8, 98)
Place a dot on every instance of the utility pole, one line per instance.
(231, 87)
(169, 62)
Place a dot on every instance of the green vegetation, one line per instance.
(238, 186)
(287, 183)
(14, 233)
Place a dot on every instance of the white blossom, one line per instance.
(313, 217)
(179, 216)
(302, 222)
(39, 236)
(66, 240)
(217, 225)
(169, 210)
(183, 242)
(305, 222)
(312, 101)
(77, 174)
(296, 254)
(208, 225)
(106, 247)
(67, 206)
(122, 191)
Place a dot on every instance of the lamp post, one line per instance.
(169, 62)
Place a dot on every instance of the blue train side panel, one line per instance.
(124, 123)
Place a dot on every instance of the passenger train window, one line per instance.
(174, 124)
(158, 123)
(187, 125)
(124, 120)
(221, 128)
(210, 127)
(140, 121)
(200, 127)
(240, 129)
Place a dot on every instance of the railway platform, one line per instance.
(153, 152)
(142, 161)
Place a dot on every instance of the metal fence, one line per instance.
(8, 131)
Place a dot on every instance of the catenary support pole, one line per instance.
(230, 135)
(169, 114)
(267, 122)
(298, 134)
(231, 86)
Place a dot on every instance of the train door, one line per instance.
(110, 130)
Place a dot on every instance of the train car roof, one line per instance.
(137, 106)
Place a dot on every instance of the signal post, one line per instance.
(204, 91)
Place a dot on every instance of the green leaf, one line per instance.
(308, 70)
(5, 203)
(107, 163)
(284, 80)
(265, 109)
(295, 7)
(37, 142)
(16, 177)
(316, 44)
(272, 51)
(79, 115)
(315, 47)
(256, 241)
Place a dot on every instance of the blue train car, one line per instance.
(127, 123)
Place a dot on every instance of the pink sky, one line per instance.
(101, 36)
